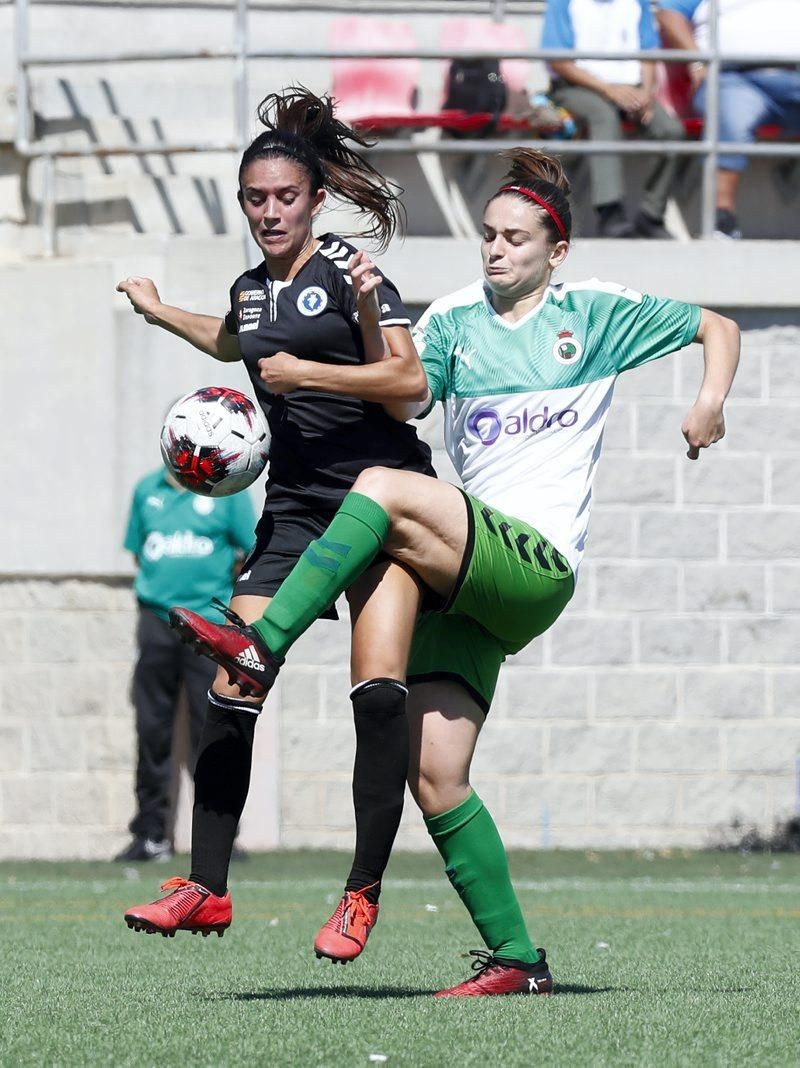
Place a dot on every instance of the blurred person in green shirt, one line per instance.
(188, 549)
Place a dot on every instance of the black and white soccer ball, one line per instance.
(215, 441)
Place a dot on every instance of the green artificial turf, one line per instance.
(684, 959)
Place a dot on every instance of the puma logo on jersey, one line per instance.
(465, 355)
(249, 658)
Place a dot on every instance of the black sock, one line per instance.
(651, 218)
(607, 211)
(221, 782)
(379, 777)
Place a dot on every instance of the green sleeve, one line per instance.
(638, 331)
(133, 535)
(434, 351)
(242, 520)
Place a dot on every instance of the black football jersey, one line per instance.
(320, 441)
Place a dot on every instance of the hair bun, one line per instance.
(528, 165)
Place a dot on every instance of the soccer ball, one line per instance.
(215, 441)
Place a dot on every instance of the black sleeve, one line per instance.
(231, 324)
(393, 311)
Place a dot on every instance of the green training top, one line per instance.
(186, 544)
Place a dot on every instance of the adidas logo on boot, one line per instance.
(249, 658)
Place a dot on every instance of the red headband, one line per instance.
(551, 211)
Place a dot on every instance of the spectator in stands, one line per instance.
(605, 92)
(751, 94)
(184, 546)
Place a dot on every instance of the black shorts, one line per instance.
(280, 541)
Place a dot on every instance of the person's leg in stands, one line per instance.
(743, 107)
(661, 179)
(606, 178)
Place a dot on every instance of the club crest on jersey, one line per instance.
(312, 301)
(567, 348)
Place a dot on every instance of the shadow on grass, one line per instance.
(299, 992)
(579, 988)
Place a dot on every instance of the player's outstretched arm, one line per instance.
(205, 332)
(391, 375)
(704, 423)
(396, 380)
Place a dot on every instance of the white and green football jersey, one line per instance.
(525, 403)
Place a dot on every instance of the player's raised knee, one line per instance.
(379, 483)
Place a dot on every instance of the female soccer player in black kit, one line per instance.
(299, 305)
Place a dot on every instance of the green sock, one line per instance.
(477, 866)
(327, 567)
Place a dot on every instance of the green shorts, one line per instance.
(512, 587)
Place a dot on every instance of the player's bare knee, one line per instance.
(427, 793)
(414, 788)
(377, 483)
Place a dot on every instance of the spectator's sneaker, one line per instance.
(494, 976)
(615, 224)
(189, 907)
(727, 226)
(146, 849)
(250, 664)
(345, 934)
(653, 229)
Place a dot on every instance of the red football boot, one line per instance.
(190, 907)
(494, 976)
(250, 664)
(345, 934)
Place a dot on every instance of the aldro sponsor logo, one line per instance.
(181, 543)
(487, 425)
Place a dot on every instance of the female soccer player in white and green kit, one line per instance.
(525, 369)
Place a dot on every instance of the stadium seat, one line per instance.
(675, 94)
(374, 92)
(490, 37)
(379, 95)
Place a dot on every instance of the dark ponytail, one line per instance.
(303, 128)
(540, 178)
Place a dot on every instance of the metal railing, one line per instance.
(709, 148)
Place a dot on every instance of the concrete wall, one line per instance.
(664, 704)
